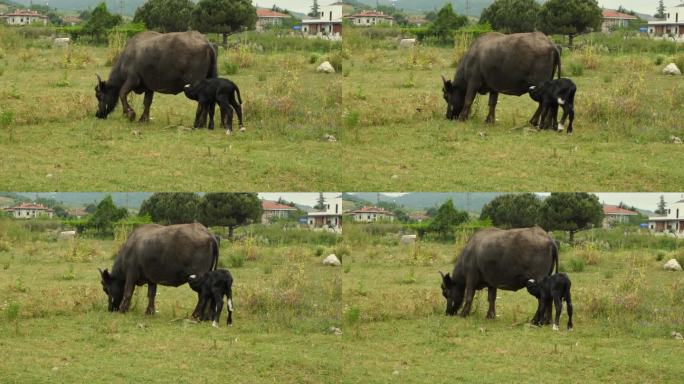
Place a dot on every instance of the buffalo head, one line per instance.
(453, 293)
(454, 97)
(114, 289)
(107, 97)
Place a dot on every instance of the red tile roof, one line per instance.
(372, 14)
(273, 206)
(615, 210)
(270, 13)
(612, 14)
(37, 207)
(25, 12)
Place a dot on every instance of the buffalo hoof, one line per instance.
(144, 119)
(150, 311)
(131, 115)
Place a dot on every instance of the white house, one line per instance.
(612, 214)
(273, 210)
(29, 211)
(371, 214)
(370, 18)
(330, 218)
(328, 21)
(268, 18)
(671, 26)
(24, 17)
(613, 19)
(672, 221)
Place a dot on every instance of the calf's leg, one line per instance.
(491, 296)
(229, 321)
(212, 108)
(238, 111)
(559, 308)
(151, 293)
(568, 302)
(199, 308)
(218, 300)
(535, 118)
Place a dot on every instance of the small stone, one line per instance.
(675, 139)
(677, 335)
(394, 177)
(330, 138)
(672, 265)
(332, 260)
(395, 373)
(55, 369)
(672, 69)
(49, 175)
(336, 331)
(326, 67)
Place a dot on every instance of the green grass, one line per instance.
(51, 140)
(620, 128)
(625, 308)
(55, 325)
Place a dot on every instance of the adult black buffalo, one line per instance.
(497, 258)
(498, 63)
(155, 62)
(156, 254)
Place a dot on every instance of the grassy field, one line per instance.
(626, 113)
(625, 305)
(55, 326)
(51, 140)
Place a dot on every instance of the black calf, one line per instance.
(551, 288)
(210, 288)
(550, 95)
(210, 92)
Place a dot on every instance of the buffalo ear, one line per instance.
(101, 85)
(446, 279)
(106, 277)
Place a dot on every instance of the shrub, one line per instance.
(660, 255)
(659, 60)
(352, 315)
(576, 265)
(335, 58)
(576, 69)
(319, 251)
(229, 68)
(313, 59)
(236, 260)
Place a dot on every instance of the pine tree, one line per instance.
(660, 11)
(315, 9)
(661, 206)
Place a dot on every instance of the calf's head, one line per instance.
(454, 97)
(195, 281)
(191, 91)
(107, 97)
(453, 293)
(533, 287)
(113, 288)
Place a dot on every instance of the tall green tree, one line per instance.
(224, 16)
(172, 208)
(230, 210)
(513, 211)
(315, 9)
(571, 212)
(662, 206)
(165, 15)
(660, 11)
(320, 203)
(446, 22)
(100, 21)
(570, 17)
(511, 16)
(446, 219)
(105, 215)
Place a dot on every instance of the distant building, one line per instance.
(418, 216)
(612, 214)
(273, 210)
(672, 221)
(371, 214)
(268, 18)
(77, 213)
(71, 20)
(25, 17)
(330, 218)
(328, 22)
(370, 18)
(30, 211)
(418, 21)
(671, 26)
(613, 19)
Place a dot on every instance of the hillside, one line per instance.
(471, 202)
(76, 5)
(81, 199)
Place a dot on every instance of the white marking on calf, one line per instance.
(193, 276)
(187, 86)
(242, 129)
(561, 127)
(530, 281)
(561, 101)
(555, 327)
(230, 305)
(214, 324)
(532, 88)
(228, 132)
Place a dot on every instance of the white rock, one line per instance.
(336, 330)
(672, 265)
(407, 43)
(677, 335)
(672, 69)
(676, 139)
(326, 67)
(330, 138)
(67, 234)
(332, 260)
(408, 239)
(61, 41)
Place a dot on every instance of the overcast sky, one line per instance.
(301, 6)
(303, 198)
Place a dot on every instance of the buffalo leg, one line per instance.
(198, 116)
(218, 307)
(129, 287)
(548, 306)
(491, 296)
(535, 118)
(123, 95)
(559, 308)
(493, 99)
(238, 111)
(568, 303)
(468, 102)
(536, 320)
(197, 313)
(212, 109)
(469, 295)
(151, 293)
(147, 103)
